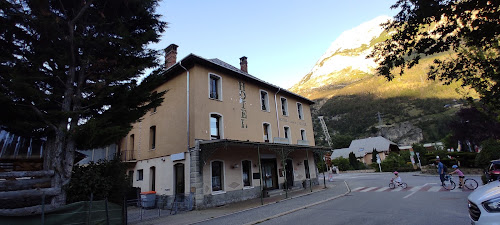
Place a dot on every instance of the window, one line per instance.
(217, 176)
(132, 140)
(299, 110)
(215, 87)
(267, 132)
(287, 133)
(152, 137)
(306, 167)
(246, 166)
(139, 174)
(303, 135)
(284, 106)
(215, 126)
(264, 101)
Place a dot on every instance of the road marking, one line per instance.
(368, 189)
(435, 189)
(456, 190)
(417, 188)
(356, 189)
(382, 189)
(397, 189)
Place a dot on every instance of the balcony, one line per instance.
(127, 156)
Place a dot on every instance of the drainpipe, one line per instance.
(187, 102)
(277, 116)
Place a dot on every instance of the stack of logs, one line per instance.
(25, 189)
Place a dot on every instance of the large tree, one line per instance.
(466, 32)
(69, 70)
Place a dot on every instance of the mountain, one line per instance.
(350, 95)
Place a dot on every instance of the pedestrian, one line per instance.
(461, 175)
(440, 168)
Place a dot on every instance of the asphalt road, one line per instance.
(369, 202)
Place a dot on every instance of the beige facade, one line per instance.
(224, 103)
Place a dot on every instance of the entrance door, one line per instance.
(269, 175)
(289, 173)
(179, 178)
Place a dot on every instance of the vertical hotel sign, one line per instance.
(243, 101)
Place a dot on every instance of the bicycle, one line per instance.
(448, 183)
(469, 183)
(393, 184)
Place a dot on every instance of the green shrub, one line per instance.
(342, 163)
(103, 179)
(490, 151)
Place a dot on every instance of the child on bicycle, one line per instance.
(396, 178)
(460, 175)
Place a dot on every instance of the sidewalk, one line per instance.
(198, 216)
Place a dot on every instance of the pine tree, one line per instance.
(374, 156)
(69, 71)
(353, 161)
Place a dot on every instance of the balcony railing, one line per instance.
(127, 155)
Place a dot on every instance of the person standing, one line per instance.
(440, 167)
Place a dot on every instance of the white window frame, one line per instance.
(287, 132)
(304, 137)
(221, 125)
(300, 110)
(140, 175)
(152, 137)
(219, 86)
(269, 132)
(250, 175)
(223, 177)
(266, 102)
(286, 112)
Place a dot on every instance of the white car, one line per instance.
(484, 204)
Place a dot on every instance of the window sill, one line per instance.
(215, 99)
(248, 187)
(153, 149)
(265, 110)
(218, 192)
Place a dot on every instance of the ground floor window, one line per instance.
(246, 167)
(217, 176)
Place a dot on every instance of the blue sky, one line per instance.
(282, 39)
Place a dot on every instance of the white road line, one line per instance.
(435, 189)
(382, 189)
(355, 189)
(456, 190)
(397, 189)
(368, 189)
(417, 188)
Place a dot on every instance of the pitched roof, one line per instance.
(192, 59)
(361, 147)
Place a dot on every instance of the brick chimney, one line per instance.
(170, 55)
(244, 64)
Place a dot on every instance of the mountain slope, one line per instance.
(350, 94)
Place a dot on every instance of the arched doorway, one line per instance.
(179, 184)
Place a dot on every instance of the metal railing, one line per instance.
(127, 155)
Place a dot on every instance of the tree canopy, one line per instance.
(69, 71)
(465, 31)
